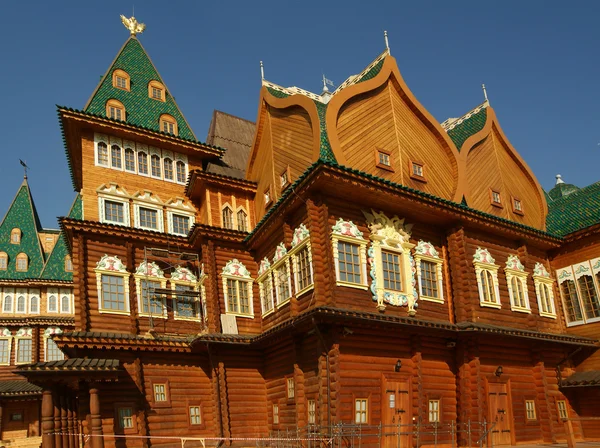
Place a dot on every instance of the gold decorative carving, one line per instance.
(133, 25)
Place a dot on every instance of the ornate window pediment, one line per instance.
(113, 204)
(429, 272)
(190, 304)
(112, 281)
(148, 276)
(392, 266)
(544, 290)
(265, 286)
(516, 278)
(237, 289)
(301, 255)
(487, 278)
(350, 254)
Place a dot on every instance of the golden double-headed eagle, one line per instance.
(133, 25)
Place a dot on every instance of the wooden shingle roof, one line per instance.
(73, 365)
(18, 388)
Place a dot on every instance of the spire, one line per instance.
(262, 71)
(25, 168)
(133, 25)
(485, 93)
(559, 179)
(387, 43)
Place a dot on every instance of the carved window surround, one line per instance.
(425, 251)
(112, 266)
(346, 231)
(114, 193)
(184, 277)
(516, 275)
(48, 333)
(148, 200)
(24, 333)
(235, 271)
(486, 270)
(300, 243)
(544, 291)
(583, 302)
(281, 260)
(152, 273)
(265, 287)
(6, 335)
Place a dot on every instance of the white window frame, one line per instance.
(265, 287)
(281, 259)
(10, 292)
(233, 218)
(580, 270)
(52, 292)
(104, 139)
(130, 145)
(21, 293)
(151, 272)
(24, 333)
(48, 333)
(542, 277)
(235, 270)
(184, 277)
(159, 216)
(6, 335)
(358, 409)
(434, 409)
(515, 270)
(121, 157)
(166, 154)
(113, 266)
(62, 294)
(425, 251)
(391, 235)
(171, 228)
(34, 294)
(484, 262)
(564, 275)
(113, 193)
(179, 206)
(290, 387)
(180, 158)
(347, 232)
(155, 152)
(237, 221)
(301, 241)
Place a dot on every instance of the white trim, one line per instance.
(21, 292)
(115, 269)
(35, 293)
(294, 255)
(11, 293)
(159, 216)
(538, 282)
(483, 262)
(9, 344)
(361, 243)
(425, 251)
(52, 292)
(200, 301)
(283, 262)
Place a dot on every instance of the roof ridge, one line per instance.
(451, 123)
(234, 116)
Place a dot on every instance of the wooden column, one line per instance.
(47, 419)
(57, 420)
(70, 427)
(64, 418)
(97, 441)
(1, 413)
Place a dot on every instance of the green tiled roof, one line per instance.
(461, 132)
(22, 215)
(561, 190)
(140, 109)
(55, 266)
(372, 73)
(326, 153)
(576, 211)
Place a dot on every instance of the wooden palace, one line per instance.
(346, 264)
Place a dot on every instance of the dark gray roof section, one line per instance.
(235, 135)
(73, 364)
(127, 336)
(582, 379)
(16, 388)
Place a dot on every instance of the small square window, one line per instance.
(417, 171)
(160, 392)
(495, 198)
(383, 160)
(195, 418)
(121, 82)
(517, 206)
(268, 198)
(125, 418)
(16, 416)
(156, 93)
(284, 178)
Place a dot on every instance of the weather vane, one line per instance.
(133, 25)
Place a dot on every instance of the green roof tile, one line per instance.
(55, 266)
(575, 211)
(22, 215)
(141, 110)
(372, 73)
(472, 125)
(326, 153)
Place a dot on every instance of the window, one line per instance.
(348, 262)
(545, 295)
(242, 221)
(155, 165)
(148, 218)
(8, 304)
(487, 278)
(237, 286)
(113, 294)
(52, 304)
(265, 285)
(181, 176)
(417, 171)
(68, 264)
(156, 91)
(142, 163)
(22, 262)
(120, 79)
(102, 154)
(148, 278)
(530, 409)
(429, 272)
(227, 215)
(187, 305)
(383, 159)
(284, 179)
(129, 160)
(160, 392)
(181, 224)
(125, 417)
(391, 271)
(572, 306)
(24, 346)
(52, 351)
(275, 414)
(516, 278)
(312, 412)
(517, 206)
(113, 212)
(65, 304)
(5, 344)
(115, 110)
(112, 282)
(304, 269)
(349, 254)
(34, 305)
(561, 405)
(195, 418)
(151, 303)
(168, 168)
(168, 125)
(589, 297)
(267, 197)
(282, 281)
(434, 411)
(21, 304)
(290, 388)
(115, 156)
(3, 261)
(361, 408)
(495, 198)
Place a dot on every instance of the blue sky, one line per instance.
(538, 59)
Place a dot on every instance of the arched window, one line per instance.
(3, 261)
(168, 164)
(181, 172)
(518, 294)
(68, 264)
(52, 304)
(115, 110)
(168, 124)
(156, 91)
(142, 163)
(8, 304)
(227, 217)
(65, 304)
(34, 305)
(15, 236)
(115, 156)
(102, 154)
(121, 79)
(242, 221)
(487, 282)
(155, 165)
(129, 160)
(22, 262)
(21, 304)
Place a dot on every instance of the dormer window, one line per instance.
(121, 79)
(156, 91)
(68, 264)
(115, 110)
(517, 206)
(22, 264)
(417, 171)
(3, 261)
(495, 198)
(383, 159)
(168, 125)
(15, 236)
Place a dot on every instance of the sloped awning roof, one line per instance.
(582, 379)
(73, 365)
(18, 388)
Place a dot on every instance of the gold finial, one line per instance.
(133, 25)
